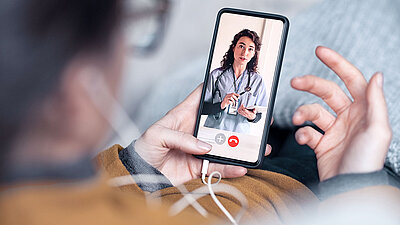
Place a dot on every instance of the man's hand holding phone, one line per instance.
(168, 145)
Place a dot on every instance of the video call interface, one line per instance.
(238, 88)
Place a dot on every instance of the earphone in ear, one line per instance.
(93, 82)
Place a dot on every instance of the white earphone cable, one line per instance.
(204, 171)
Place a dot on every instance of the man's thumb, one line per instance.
(377, 109)
(185, 142)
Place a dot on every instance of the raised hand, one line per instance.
(357, 139)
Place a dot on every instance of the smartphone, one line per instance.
(245, 58)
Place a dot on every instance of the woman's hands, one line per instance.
(229, 99)
(168, 145)
(358, 138)
(251, 115)
(232, 99)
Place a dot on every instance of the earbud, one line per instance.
(92, 80)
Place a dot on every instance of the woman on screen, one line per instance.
(235, 88)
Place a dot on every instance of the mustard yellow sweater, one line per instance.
(276, 197)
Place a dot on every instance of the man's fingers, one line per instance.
(314, 113)
(327, 90)
(182, 141)
(308, 136)
(268, 150)
(227, 171)
(348, 73)
(377, 108)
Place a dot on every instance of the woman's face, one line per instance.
(244, 51)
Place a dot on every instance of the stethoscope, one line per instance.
(246, 89)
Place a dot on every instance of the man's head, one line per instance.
(47, 49)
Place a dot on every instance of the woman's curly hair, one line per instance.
(228, 58)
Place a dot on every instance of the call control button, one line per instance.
(233, 141)
(220, 138)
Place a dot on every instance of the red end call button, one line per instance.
(233, 141)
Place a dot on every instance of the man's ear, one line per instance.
(70, 108)
(72, 93)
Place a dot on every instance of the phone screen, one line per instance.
(240, 85)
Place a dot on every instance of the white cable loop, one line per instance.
(219, 204)
(189, 198)
(200, 192)
(154, 198)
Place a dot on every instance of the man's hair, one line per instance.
(228, 59)
(38, 38)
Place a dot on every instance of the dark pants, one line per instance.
(291, 159)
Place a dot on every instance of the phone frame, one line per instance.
(285, 30)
